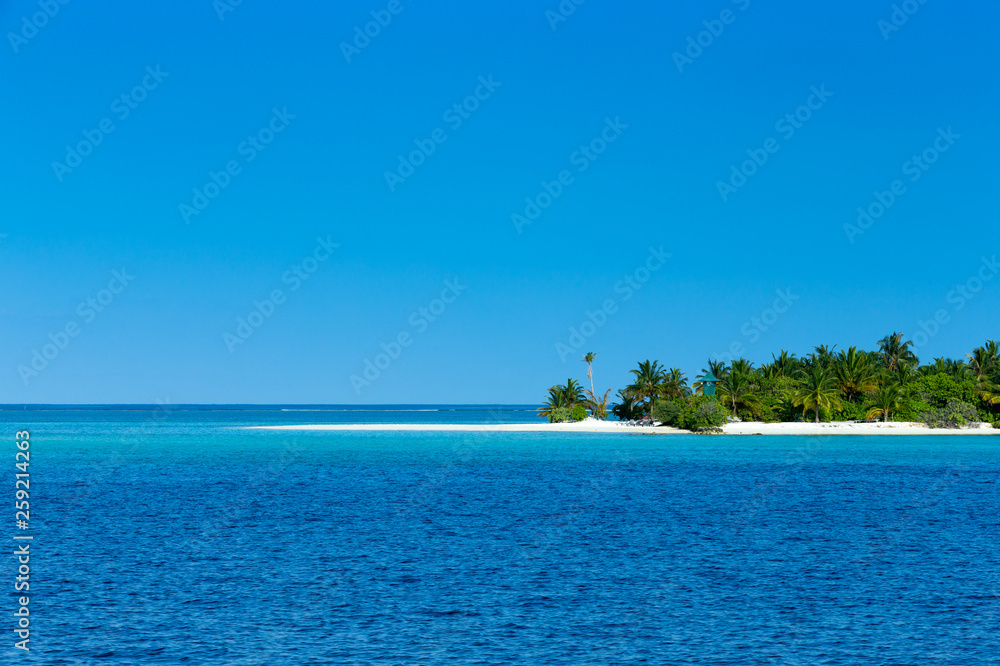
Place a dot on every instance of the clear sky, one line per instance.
(256, 148)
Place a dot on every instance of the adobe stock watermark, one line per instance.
(122, 106)
(293, 277)
(713, 30)
(787, 126)
(87, 312)
(223, 7)
(562, 12)
(915, 167)
(581, 158)
(958, 297)
(454, 115)
(755, 326)
(626, 288)
(31, 25)
(248, 149)
(901, 13)
(419, 321)
(381, 18)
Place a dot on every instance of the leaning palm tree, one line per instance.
(818, 391)
(588, 358)
(896, 353)
(885, 402)
(598, 406)
(648, 384)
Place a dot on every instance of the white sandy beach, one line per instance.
(607, 427)
(850, 428)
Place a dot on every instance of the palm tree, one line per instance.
(823, 355)
(598, 406)
(588, 358)
(648, 384)
(562, 396)
(742, 366)
(717, 368)
(572, 393)
(983, 360)
(737, 389)
(904, 375)
(626, 408)
(896, 353)
(554, 401)
(818, 391)
(854, 373)
(885, 402)
(785, 364)
(675, 383)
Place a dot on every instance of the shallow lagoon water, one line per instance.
(188, 539)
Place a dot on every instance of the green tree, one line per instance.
(896, 353)
(885, 402)
(702, 412)
(855, 376)
(983, 360)
(668, 412)
(627, 407)
(675, 383)
(738, 391)
(648, 384)
(562, 396)
(553, 402)
(817, 391)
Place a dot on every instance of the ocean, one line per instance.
(174, 535)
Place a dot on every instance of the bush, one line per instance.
(668, 412)
(702, 412)
(579, 413)
(955, 414)
(560, 415)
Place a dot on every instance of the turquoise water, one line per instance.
(184, 538)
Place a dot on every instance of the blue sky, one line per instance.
(641, 138)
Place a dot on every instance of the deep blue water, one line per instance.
(189, 540)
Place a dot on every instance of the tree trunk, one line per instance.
(817, 414)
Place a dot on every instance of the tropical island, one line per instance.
(887, 385)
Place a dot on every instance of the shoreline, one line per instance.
(617, 427)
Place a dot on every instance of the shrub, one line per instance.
(702, 412)
(940, 389)
(560, 415)
(668, 412)
(955, 414)
(579, 413)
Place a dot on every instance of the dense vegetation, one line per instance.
(887, 384)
